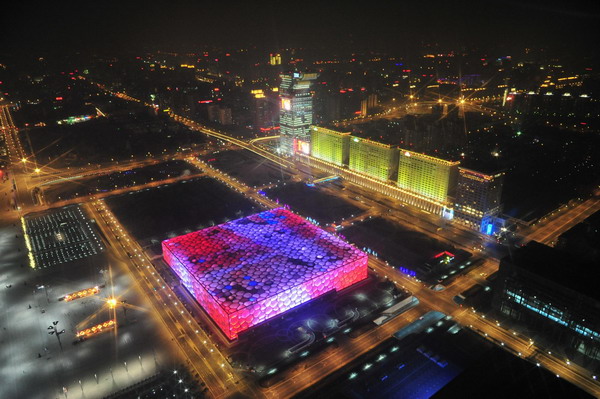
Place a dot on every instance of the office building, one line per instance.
(372, 158)
(477, 202)
(296, 110)
(430, 177)
(329, 145)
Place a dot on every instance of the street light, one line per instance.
(112, 302)
(37, 170)
(56, 332)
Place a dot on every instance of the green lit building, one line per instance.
(329, 145)
(372, 158)
(428, 176)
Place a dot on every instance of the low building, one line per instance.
(250, 270)
(551, 292)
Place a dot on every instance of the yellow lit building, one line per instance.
(426, 175)
(329, 145)
(372, 158)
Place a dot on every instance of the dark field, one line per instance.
(179, 208)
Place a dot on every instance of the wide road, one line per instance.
(548, 230)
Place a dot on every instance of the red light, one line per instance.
(227, 55)
(357, 112)
(362, 89)
(216, 59)
(342, 91)
(59, 98)
(205, 101)
(444, 253)
(216, 89)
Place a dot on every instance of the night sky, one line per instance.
(63, 26)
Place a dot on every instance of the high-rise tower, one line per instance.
(478, 199)
(296, 109)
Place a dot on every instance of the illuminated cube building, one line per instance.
(329, 145)
(252, 269)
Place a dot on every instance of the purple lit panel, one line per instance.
(249, 270)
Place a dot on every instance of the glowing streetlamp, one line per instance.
(37, 170)
(112, 302)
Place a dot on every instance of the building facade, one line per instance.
(296, 109)
(372, 158)
(550, 292)
(425, 175)
(478, 197)
(329, 145)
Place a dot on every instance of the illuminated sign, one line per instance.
(303, 147)
(286, 104)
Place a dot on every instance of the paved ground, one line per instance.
(32, 364)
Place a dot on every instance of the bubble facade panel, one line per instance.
(249, 270)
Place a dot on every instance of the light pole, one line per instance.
(56, 332)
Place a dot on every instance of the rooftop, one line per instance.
(557, 266)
